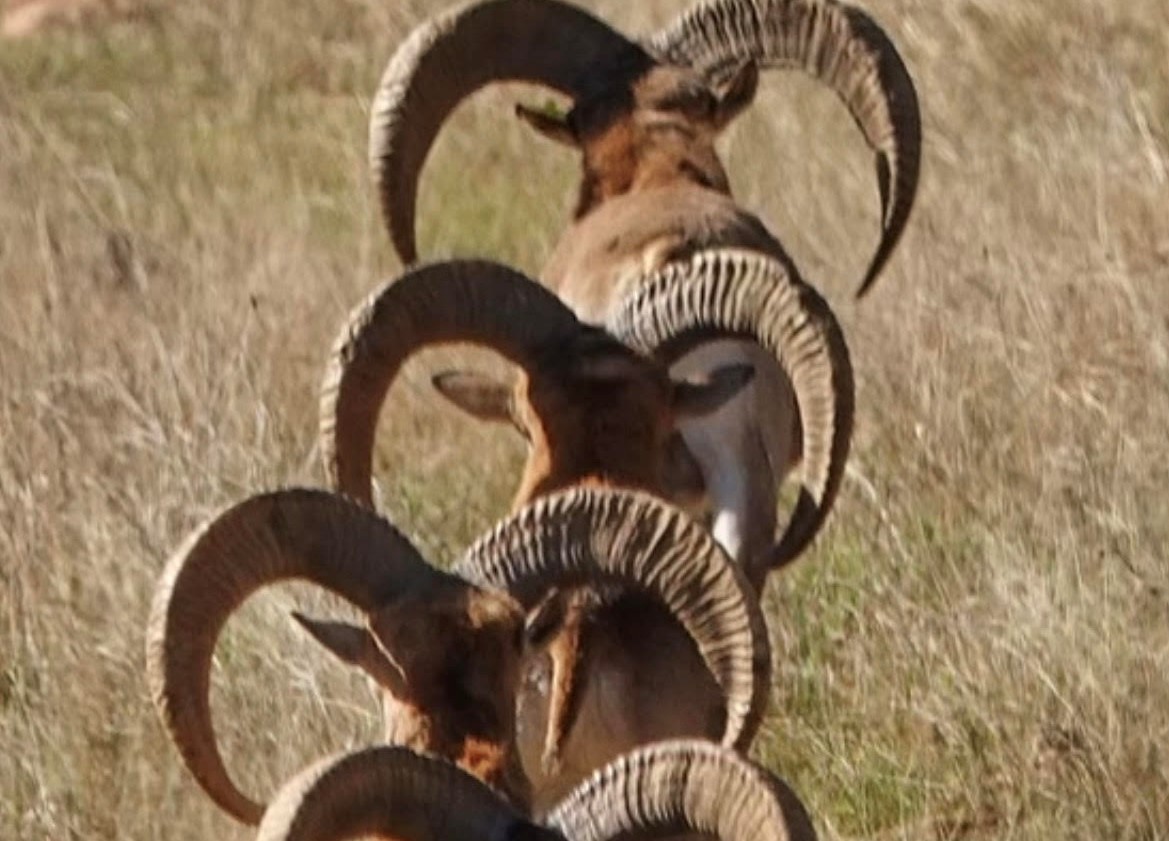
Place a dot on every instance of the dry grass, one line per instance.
(977, 648)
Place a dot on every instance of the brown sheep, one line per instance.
(446, 650)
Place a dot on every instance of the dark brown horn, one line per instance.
(306, 534)
(747, 293)
(837, 44)
(681, 787)
(589, 536)
(456, 301)
(392, 792)
(451, 56)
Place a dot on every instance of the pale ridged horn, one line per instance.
(837, 44)
(454, 54)
(392, 792)
(455, 301)
(289, 534)
(682, 787)
(729, 291)
(594, 536)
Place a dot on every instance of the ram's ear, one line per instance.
(356, 645)
(554, 126)
(476, 394)
(700, 396)
(350, 643)
(737, 94)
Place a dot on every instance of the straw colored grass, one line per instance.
(977, 647)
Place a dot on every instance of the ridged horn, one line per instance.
(594, 535)
(733, 291)
(305, 534)
(391, 792)
(837, 44)
(454, 54)
(681, 787)
(455, 301)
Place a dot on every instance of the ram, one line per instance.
(597, 403)
(653, 192)
(654, 792)
(446, 650)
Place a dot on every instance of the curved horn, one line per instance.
(391, 792)
(456, 301)
(733, 291)
(683, 786)
(451, 56)
(306, 534)
(836, 43)
(588, 535)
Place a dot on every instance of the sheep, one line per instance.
(658, 791)
(445, 649)
(645, 115)
(653, 191)
(598, 403)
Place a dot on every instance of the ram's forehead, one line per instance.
(612, 368)
(659, 87)
(668, 82)
(599, 357)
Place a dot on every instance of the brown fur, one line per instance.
(652, 136)
(595, 411)
(448, 665)
(611, 682)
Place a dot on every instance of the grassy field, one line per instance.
(978, 646)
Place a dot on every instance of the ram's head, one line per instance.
(598, 405)
(453, 654)
(646, 113)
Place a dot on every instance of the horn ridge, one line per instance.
(390, 792)
(591, 534)
(450, 57)
(837, 44)
(678, 787)
(295, 533)
(453, 301)
(733, 291)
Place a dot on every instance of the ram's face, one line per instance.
(451, 657)
(604, 415)
(459, 657)
(594, 410)
(658, 129)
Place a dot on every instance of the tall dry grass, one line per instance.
(978, 647)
